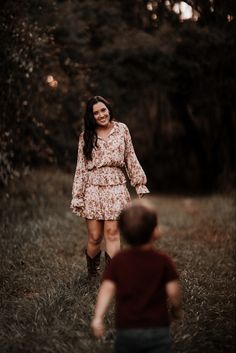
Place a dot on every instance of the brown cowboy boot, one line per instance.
(93, 264)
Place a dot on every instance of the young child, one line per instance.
(145, 284)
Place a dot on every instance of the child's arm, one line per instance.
(105, 295)
(174, 294)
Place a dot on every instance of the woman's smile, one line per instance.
(101, 114)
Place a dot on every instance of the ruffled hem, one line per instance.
(141, 189)
(103, 202)
(77, 204)
(77, 211)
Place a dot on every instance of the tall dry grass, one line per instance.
(47, 301)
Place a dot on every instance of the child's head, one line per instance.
(138, 222)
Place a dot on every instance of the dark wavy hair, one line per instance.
(90, 125)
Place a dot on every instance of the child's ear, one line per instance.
(156, 233)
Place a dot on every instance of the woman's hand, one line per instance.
(77, 203)
(98, 327)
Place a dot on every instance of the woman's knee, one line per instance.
(112, 234)
(94, 238)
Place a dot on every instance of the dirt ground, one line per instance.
(47, 301)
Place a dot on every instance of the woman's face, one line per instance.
(101, 114)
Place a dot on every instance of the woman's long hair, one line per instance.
(90, 125)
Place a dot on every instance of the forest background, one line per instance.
(171, 80)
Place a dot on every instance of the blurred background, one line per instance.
(168, 67)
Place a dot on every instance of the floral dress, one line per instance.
(99, 187)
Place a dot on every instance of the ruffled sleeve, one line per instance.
(79, 178)
(134, 170)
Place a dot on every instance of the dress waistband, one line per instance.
(106, 176)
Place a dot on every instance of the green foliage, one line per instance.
(24, 51)
(177, 77)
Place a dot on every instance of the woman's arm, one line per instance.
(104, 298)
(79, 178)
(134, 170)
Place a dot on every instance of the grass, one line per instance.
(46, 299)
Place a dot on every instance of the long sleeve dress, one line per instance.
(99, 188)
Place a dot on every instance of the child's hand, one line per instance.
(97, 326)
(105, 295)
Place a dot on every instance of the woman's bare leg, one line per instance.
(112, 237)
(95, 236)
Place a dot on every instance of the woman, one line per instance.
(99, 187)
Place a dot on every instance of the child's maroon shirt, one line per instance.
(140, 277)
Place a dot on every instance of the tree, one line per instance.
(172, 81)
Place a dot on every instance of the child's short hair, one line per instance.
(137, 222)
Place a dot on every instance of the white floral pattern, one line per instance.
(99, 187)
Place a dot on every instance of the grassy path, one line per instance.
(46, 300)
